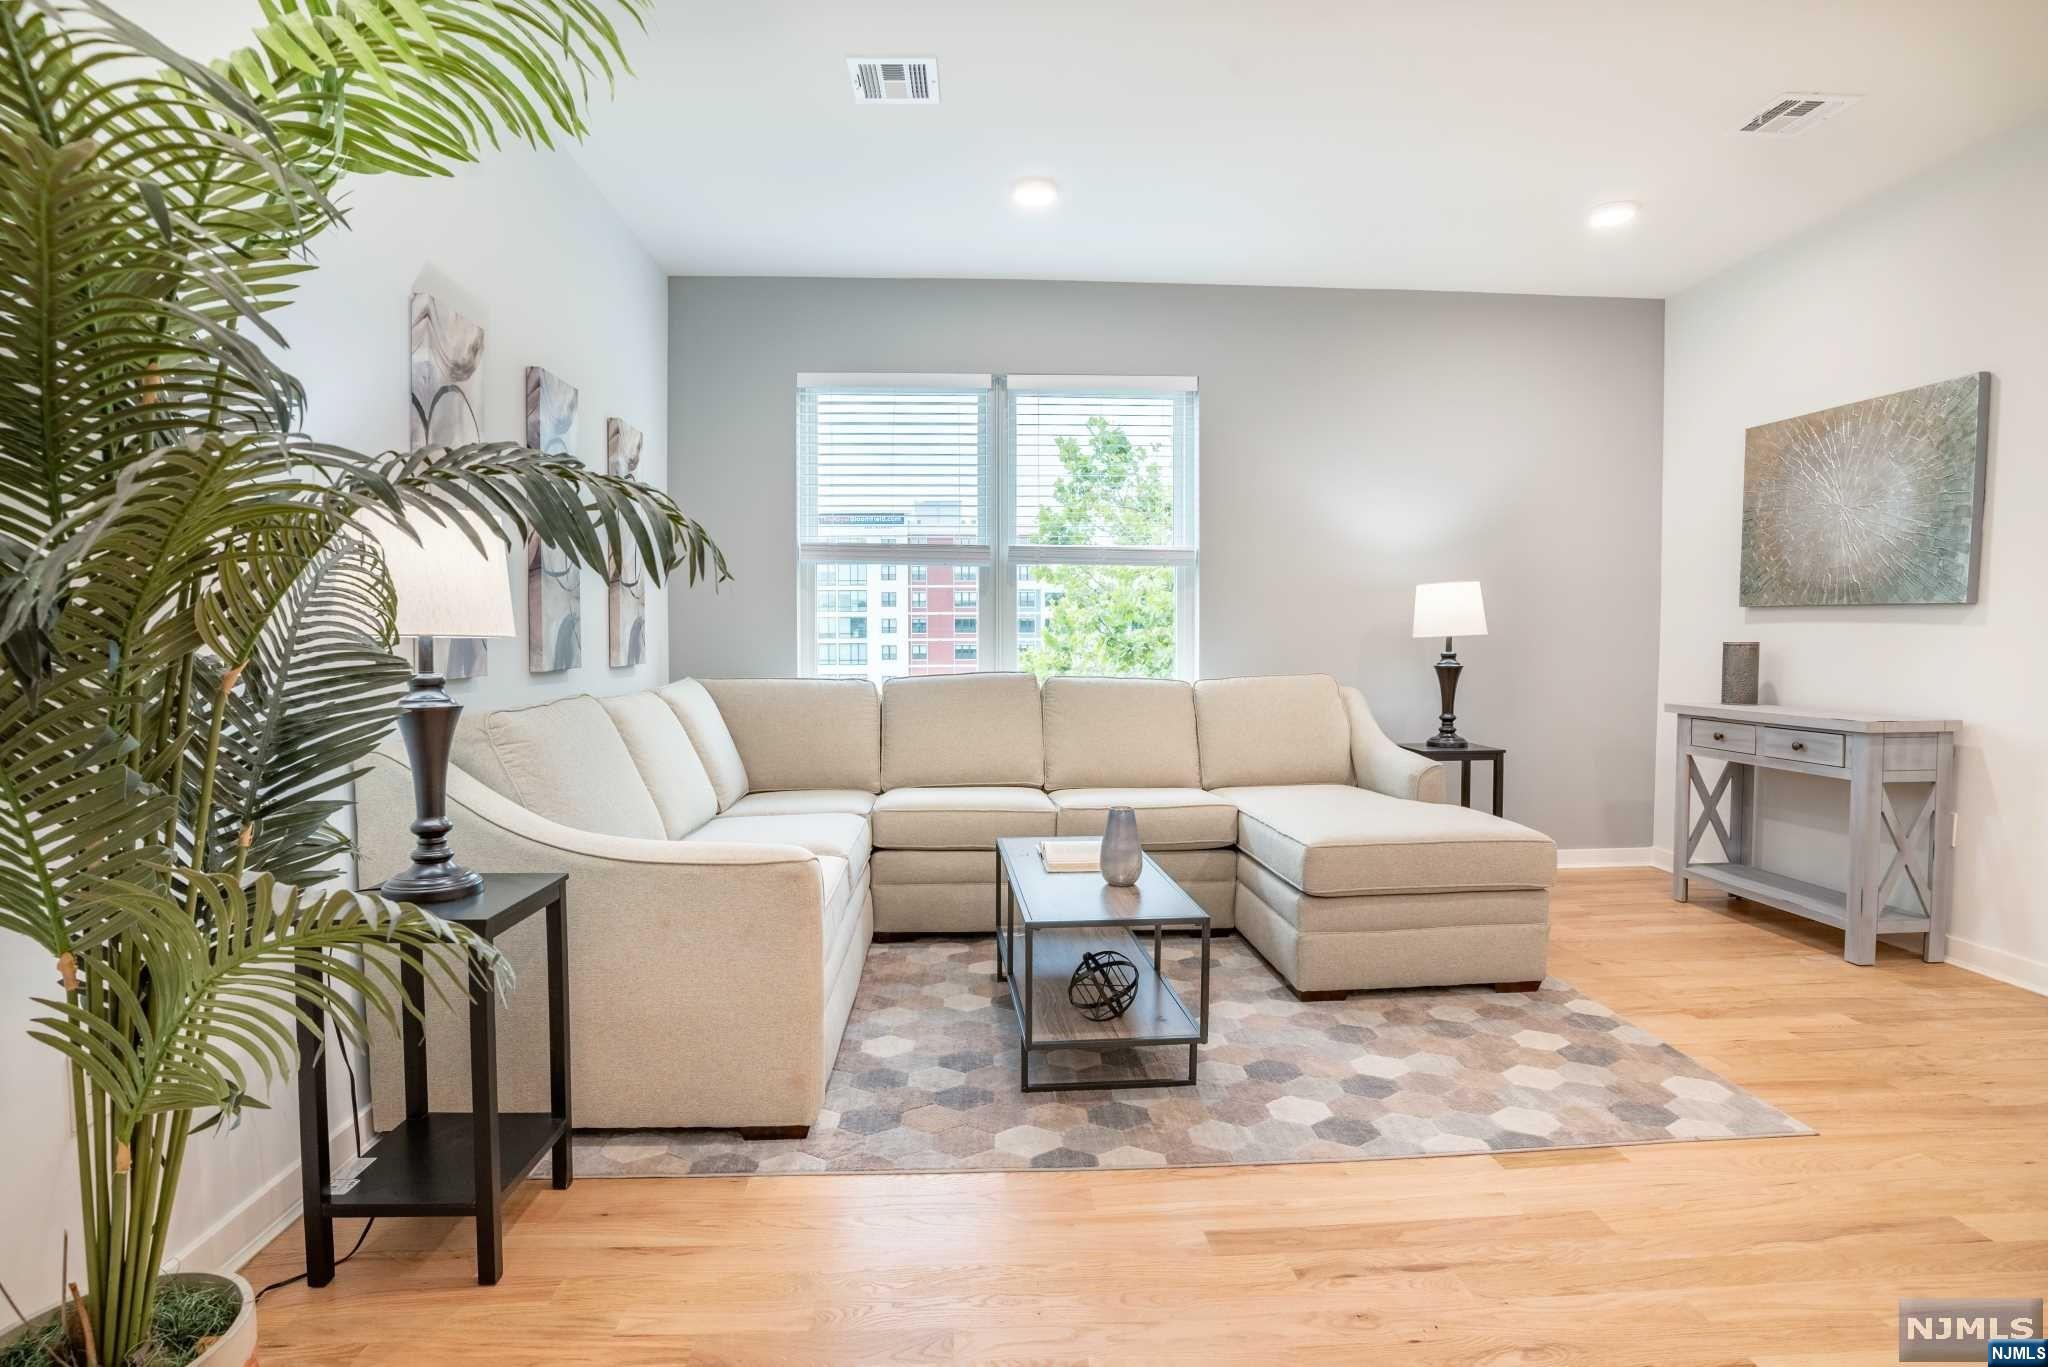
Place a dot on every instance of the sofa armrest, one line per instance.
(1384, 767)
(696, 969)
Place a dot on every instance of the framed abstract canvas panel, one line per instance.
(447, 404)
(1876, 502)
(554, 582)
(626, 591)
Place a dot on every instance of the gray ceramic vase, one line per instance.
(1122, 856)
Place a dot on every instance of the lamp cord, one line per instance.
(355, 1120)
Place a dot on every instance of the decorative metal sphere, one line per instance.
(1104, 985)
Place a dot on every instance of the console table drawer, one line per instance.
(1808, 747)
(1724, 735)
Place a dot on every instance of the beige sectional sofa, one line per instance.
(734, 845)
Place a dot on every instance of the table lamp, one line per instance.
(446, 587)
(1449, 610)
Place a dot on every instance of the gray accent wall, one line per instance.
(1353, 444)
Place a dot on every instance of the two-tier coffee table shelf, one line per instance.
(1871, 752)
(1046, 921)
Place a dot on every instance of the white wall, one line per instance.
(1354, 443)
(524, 245)
(1942, 277)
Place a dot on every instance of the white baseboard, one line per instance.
(1625, 857)
(236, 1237)
(2002, 964)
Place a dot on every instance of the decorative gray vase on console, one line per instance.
(1739, 672)
(1122, 856)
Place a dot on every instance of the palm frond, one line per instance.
(232, 982)
(73, 810)
(420, 86)
(588, 515)
(123, 297)
(317, 694)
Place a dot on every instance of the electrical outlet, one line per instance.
(1955, 830)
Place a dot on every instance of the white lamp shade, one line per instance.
(1452, 609)
(446, 587)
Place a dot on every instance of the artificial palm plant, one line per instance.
(198, 645)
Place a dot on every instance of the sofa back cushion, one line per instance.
(564, 760)
(804, 733)
(1283, 728)
(668, 763)
(709, 737)
(962, 730)
(1119, 733)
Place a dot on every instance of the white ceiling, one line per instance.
(1423, 144)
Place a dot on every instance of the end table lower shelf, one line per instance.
(426, 1166)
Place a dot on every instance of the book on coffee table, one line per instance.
(1078, 855)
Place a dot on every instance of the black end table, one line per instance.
(1462, 756)
(446, 1162)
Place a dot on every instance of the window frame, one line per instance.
(996, 560)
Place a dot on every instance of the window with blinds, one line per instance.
(1069, 498)
(893, 464)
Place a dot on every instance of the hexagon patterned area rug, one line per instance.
(926, 1081)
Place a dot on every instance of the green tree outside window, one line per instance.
(1106, 619)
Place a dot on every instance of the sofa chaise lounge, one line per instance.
(734, 845)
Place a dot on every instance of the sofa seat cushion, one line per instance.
(959, 818)
(838, 834)
(838, 885)
(1335, 841)
(1311, 914)
(1168, 818)
(804, 801)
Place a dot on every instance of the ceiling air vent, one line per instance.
(1790, 115)
(894, 80)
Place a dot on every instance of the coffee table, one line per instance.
(1055, 918)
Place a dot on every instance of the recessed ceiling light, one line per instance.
(1619, 214)
(1034, 192)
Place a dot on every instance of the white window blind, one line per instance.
(893, 464)
(1102, 467)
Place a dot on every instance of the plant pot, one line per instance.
(235, 1348)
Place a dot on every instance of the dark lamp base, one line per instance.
(433, 883)
(426, 718)
(1447, 671)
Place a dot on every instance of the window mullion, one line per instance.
(1001, 631)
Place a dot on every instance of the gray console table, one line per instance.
(1870, 752)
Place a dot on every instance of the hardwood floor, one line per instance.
(1927, 1178)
